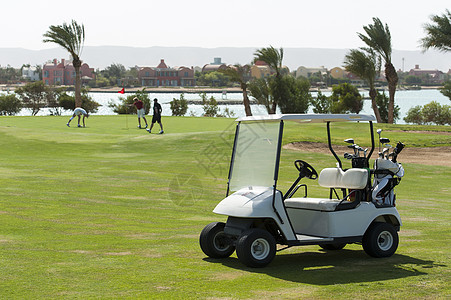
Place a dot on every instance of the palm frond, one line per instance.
(378, 37)
(438, 34)
(69, 36)
(271, 56)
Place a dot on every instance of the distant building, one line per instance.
(162, 75)
(260, 69)
(308, 72)
(30, 73)
(63, 73)
(338, 73)
(216, 65)
(428, 76)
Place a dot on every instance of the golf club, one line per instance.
(348, 156)
(397, 150)
(385, 151)
(379, 133)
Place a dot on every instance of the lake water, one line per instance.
(404, 99)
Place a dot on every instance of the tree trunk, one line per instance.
(373, 95)
(77, 65)
(392, 79)
(246, 102)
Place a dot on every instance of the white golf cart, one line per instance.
(261, 216)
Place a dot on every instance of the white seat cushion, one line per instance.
(337, 178)
(322, 204)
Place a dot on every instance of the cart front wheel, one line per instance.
(214, 242)
(256, 248)
(380, 240)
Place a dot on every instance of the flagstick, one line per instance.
(122, 91)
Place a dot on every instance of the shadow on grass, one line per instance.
(336, 267)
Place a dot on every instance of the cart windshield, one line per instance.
(254, 156)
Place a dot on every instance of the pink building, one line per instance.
(63, 73)
(428, 76)
(163, 75)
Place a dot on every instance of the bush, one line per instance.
(431, 113)
(382, 104)
(435, 113)
(346, 99)
(68, 102)
(210, 106)
(414, 115)
(322, 104)
(126, 107)
(179, 106)
(9, 105)
(295, 95)
(446, 90)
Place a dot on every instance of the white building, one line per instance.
(30, 73)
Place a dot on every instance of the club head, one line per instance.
(349, 141)
(384, 140)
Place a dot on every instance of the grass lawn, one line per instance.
(110, 211)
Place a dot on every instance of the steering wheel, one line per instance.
(305, 169)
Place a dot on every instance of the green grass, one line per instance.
(109, 212)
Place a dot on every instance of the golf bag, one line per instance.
(387, 175)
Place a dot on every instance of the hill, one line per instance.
(103, 56)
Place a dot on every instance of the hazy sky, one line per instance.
(217, 23)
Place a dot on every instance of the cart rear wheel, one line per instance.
(256, 248)
(214, 242)
(380, 240)
(333, 246)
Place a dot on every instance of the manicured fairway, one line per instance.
(110, 211)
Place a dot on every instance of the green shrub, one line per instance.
(126, 105)
(179, 106)
(382, 104)
(322, 104)
(210, 106)
(346, 99)
(431, 113)
(9, 105)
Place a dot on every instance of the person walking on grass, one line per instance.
(156, 116)
(78, 112)
(140, 111)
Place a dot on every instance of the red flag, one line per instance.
(122, 91)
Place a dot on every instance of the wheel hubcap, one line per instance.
(260, 249)
(220, 242)
(385, 240)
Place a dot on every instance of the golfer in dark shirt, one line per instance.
(156, 116)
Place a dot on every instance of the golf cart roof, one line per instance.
(309, 118)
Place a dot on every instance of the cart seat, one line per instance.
(322, 204)
(354, 178)
(331, 178)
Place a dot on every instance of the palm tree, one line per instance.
(273, 58)
(259, 89)
(365, 65)
(438, 34)
(71, 37)
(379, 39)
(240, 74)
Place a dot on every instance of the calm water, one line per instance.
(404, 99)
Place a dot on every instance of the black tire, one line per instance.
(380, 240)
(256, 248)
(214, 242)
(338, 246)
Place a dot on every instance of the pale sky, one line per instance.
(217, 23)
